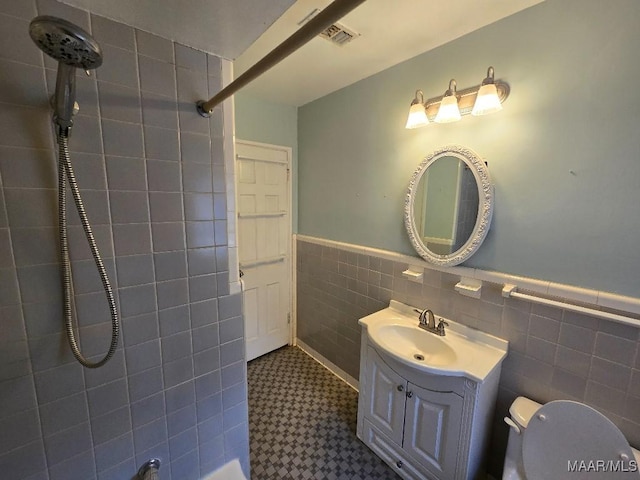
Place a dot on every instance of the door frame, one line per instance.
(292, 251)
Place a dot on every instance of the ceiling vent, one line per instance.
(338, 34)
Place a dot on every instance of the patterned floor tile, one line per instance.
(302, 423)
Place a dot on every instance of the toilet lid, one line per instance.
(570, 440)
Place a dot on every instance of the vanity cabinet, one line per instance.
(424, 423)
(424, 426)
(426, 401)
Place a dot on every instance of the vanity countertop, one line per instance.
(462, 352)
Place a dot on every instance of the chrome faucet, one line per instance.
(427, 321)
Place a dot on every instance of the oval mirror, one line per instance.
(448, 206)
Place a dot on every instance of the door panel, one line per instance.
(251, 313)
(432, 429)
(264, 237)
(385, 400)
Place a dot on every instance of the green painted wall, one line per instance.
(267, 122)
(564, 153)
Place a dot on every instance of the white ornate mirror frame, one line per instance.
(485, 206)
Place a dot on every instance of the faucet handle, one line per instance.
(441, 324)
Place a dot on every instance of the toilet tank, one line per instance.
(521, 411)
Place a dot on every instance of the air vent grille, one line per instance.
(338, 34)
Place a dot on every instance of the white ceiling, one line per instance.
(223, 27)
(391, 31)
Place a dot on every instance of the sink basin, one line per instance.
(415, 342)
(463, 351)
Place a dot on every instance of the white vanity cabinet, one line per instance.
(423, 425)
(426, 401)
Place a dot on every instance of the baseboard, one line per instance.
(337, 371)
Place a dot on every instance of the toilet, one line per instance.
(564, 439)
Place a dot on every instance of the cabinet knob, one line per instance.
(399, 464)
(409, 394)
(400, 388)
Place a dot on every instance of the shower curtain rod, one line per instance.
(336, 10)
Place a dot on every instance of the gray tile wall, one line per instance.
(154, 190)
(553, 353)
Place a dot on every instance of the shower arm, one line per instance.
(336, 10)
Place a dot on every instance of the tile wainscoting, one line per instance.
(553, 353)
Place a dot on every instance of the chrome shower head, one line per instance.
(73, 48)
(65, 42)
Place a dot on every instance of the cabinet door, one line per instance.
(385, 397)
(432, 429)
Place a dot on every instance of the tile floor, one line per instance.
(302, 423)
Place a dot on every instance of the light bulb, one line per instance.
(417, 116)
(487, 100)
(448, 111)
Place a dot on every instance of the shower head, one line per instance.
(65, 42)
(73, 48)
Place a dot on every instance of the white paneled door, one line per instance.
(264, 242)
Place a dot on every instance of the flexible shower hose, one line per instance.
(65, 172)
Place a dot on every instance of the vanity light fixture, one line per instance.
(482, 99)
(417, 113)
(449, 111)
